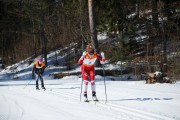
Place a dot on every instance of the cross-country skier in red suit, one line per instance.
(87, 61)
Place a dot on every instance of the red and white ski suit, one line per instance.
(87, 69)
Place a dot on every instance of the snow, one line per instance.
(126, 99)
(102, 36)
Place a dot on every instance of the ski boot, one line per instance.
(86, 98)
(43, 88)
(94, 97)
(37, 88)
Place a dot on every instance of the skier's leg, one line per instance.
(85, 78)
(42, 82)
(37, 78)
(85, 89)
(93, 86)
(85, 86)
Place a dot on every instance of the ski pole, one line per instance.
(28, 83)
(81, 88)
(104, 83)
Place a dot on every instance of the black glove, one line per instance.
(33, 76)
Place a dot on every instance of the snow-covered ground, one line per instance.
(126, 100)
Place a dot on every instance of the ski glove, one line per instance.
(84, 53)
(103, 58)
(102, 54)
(33, 76)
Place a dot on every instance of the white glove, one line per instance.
(102, 54)
(84, 53)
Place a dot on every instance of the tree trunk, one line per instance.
(154, 13)
(43, 39)
(93, 32)
(165, 42)
(34, 37)
(137, 10)
(2, 48)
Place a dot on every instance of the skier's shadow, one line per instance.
(144, 99)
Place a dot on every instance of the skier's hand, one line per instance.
(33, 76)
(84, 53)
(103, 58)
(41, 73)
(102, 54)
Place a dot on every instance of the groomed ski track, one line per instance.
(70, 92)
(117, 108)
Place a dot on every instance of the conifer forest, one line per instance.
(143, 33)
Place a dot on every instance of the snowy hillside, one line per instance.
(126, 100)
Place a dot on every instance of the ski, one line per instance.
(96, 101)
(37, 89)
(40, 89)
(95, 98)
(91, 101)
(43, 89)
(86, 100)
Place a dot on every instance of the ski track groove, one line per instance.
(18, 109)
(6, 117)
(3, 117)
(131, 111)
(45, 105)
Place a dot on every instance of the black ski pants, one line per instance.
(39, 76)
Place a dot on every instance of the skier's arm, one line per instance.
(33, 69)
(101, 58)
(43, 68)
(80, 61)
